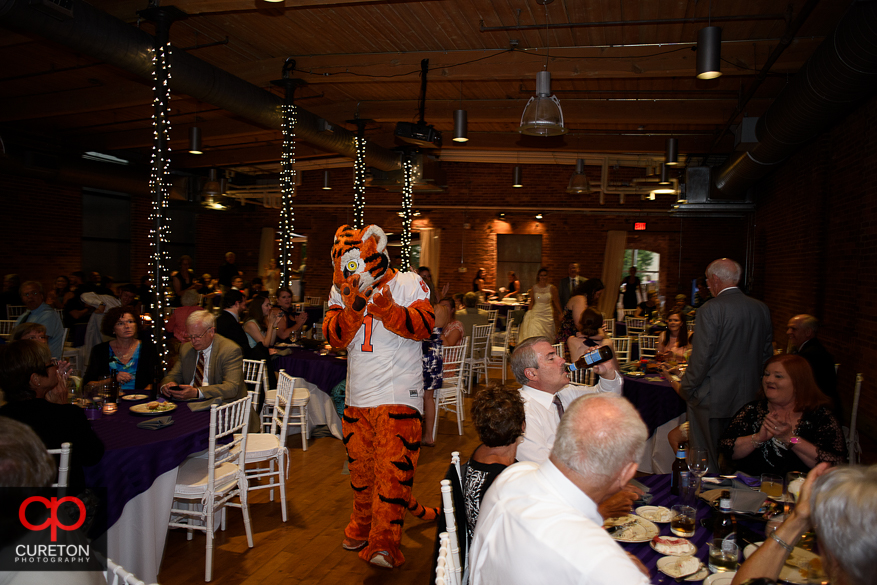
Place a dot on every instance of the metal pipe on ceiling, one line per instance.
(842, 71)
(101, 36)
(657, 21)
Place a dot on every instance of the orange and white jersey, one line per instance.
(382, 367)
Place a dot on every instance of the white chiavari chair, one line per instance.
(648, 346)
(854, 449)
(479, 348)
(453, 528)
(450, 396)
(491, 316)
(635, 325)
(63, 463)
(6, 327)
(117, 575)
(301, 396)
(609, 327)
(621, 346)
(15, 311)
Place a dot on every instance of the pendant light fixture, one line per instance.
(664, 175)
(326, 186)
(671, 155)
(578, 182)
(709, 50)
(542, 115)
(195, 140)
(516, 177)
(461, 122)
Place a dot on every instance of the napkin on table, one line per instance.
(154, 424)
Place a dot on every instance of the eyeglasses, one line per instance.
(33, 293)
(191, 337)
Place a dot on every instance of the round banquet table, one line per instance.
(323, 371)
(662, 410)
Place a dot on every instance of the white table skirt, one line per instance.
(321, 411)
(658, 457)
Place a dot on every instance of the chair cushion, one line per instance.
(261, 446)
(192, 477)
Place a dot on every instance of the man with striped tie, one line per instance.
(210, 366)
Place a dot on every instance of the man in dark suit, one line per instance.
(210, 366)
(569, 284)
(734, 339)
(228, 322)
(802, 333)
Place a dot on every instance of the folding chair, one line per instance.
(271, 447)
(63, 463)
(215, 481)
(648, 346)
(450, 396)
(477, 360)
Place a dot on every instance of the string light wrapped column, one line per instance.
(407, 203)
(287, 190)
(359, 183)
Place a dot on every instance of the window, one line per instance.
(106, 233)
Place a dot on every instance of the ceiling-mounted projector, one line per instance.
(420, 134)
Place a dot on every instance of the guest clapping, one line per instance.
(37, 332)
(789, 428)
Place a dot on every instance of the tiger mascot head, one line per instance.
(360, 258)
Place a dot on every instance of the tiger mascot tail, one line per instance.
(380, 315)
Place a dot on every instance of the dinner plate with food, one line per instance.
(631, 528)
(656, 514)
(679, 567)
(135, 397)
(672, 546)
(153, 408)
(802, 566)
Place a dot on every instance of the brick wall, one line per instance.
(816, 248)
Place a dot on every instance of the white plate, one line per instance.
(641, 530)
(672, 566)
(142, 409)
(700, 575)
(690, 549)
(796, 566)
(720, 578)
(653, 514)
(134, 396)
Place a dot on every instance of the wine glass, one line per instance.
(698, 464)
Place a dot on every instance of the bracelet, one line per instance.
(780, 541)
(756, 442)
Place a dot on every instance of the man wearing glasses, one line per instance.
(39, 312)
(210, 366)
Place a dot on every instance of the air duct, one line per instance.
(108, 39)
(842, 71)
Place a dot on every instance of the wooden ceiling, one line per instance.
(622, 69)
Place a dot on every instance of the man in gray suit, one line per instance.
(210, 366)
(732, 341)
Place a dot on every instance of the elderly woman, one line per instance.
(498, 416)
(133, 360)
(27, 373)
(838, 504)
(789, 428)
(37, 332)
(674, 342)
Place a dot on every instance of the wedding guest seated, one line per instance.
(790, 427)
(539, 523)
(27, 373)
(452, 333)
(291, 321)
(24, 460)
(133, 360)
(210, 291)
(39, 312)
(176, 323)
(648, 308)
(128, 298)
(37, 332)
(586, 295)
(498, 416)
(228, 321)
(471, 314)
(56, 296)
(590, 334)
(182, 279)
(674, 342)
(261, 327)
(838, 504)
(803, 331)
(681, 305)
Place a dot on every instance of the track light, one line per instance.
(578, 182)
(326, 186)
(709, 52)
(539, 216)
(517, 177)
(664, 175)
(671, 155)
(460, 126)
(195, 140)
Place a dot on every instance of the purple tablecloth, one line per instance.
(135, 457)
(660, 487)
(324, 371)
(656, 402)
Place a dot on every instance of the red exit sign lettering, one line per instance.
(639, 226)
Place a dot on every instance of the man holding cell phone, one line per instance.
(210, 366)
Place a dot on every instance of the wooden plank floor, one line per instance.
(307, 548)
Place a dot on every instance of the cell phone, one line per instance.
(175, 387)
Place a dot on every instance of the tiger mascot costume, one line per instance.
(380, 315)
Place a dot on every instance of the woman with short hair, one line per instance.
(132, 359)
(37, 332)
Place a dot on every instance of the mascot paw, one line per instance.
(351, 297)
(382, 301)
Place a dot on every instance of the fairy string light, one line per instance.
(359, 183)
(287, 189)
(407, 202)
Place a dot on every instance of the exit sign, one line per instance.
(639, 226)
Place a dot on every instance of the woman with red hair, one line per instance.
(790, 427)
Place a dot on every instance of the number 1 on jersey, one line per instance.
(367, 342)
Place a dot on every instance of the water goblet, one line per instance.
(698, 464)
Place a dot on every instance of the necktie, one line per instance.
(559, 405)
(199, 371)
